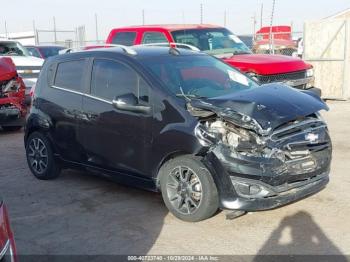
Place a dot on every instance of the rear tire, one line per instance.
(188, 189)
(40, 157)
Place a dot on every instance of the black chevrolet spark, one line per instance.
(179, 122)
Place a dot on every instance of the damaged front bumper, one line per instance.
(279, 196)
(297, 168)
(239, 191)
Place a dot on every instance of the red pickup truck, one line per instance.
(222, 43)
(13, 103)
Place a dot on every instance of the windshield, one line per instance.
(12, 48)
(197, 76)
(213, 41)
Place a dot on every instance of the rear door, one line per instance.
(63, 102)
(114, 139)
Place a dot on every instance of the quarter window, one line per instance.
(111, 79)
(70, 75)
(124, 38)
(154, 37)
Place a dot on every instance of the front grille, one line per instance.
(266, 79)
(306, 147)
(295, 128)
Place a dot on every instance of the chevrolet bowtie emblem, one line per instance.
(311, 137)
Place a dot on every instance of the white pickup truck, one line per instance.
(28, 67)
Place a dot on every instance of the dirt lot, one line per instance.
(82, 214)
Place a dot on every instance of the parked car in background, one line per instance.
(180, 122)
(220, 42)
(13, 103)
(28, 67)
(44, 51)
(7, 241)
(281, 41)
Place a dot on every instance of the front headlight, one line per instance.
(310, 72)
(253, 76)
(239, 139)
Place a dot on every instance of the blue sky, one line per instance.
(114, 13)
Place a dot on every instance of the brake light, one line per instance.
(11, 87)
(32, 90)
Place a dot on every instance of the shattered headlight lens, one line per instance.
(242, 140)
(238, 139)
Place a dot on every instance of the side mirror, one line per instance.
(129, 102)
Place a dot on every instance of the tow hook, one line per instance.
(230, 215)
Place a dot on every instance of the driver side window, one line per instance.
(111, 79)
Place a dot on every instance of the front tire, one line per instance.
(188, 189)
(40, 157)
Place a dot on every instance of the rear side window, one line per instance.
(111, 79)
(154, 37)
(124, 38)
(70, 75)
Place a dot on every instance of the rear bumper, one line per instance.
(11, 116)
(279, 197)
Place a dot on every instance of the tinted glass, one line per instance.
(213, 41)
(124, 38)
(33, 51)
(70, 75)
(198, 75)
(50, 51)
(153, 37)
(9, 48)
(111, 79)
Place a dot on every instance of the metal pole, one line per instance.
(54, 29)
(143, 16)
(201, 14)
(96, 24)
(254, 24)
(35, 33)
(272, 49)
(261, 15)
(225, 18)
(6, 32)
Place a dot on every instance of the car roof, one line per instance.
(170, 27)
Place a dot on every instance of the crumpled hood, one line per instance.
(27, 61)
(267, 64)
(269, 105)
